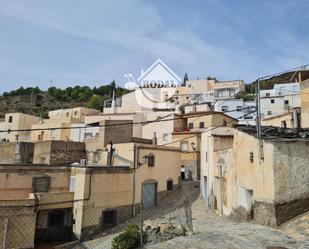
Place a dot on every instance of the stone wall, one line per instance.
(122, 133)
(264, 213)
(58, 152)
(288, 210)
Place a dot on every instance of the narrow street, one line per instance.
(210, 231)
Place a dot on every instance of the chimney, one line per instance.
(154, 139)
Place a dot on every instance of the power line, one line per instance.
(79, 200)
(207, 129)
(282, 72)
(119, 124)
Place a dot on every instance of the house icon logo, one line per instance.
(158, 75)
(154, 86)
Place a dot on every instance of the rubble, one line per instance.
(164, 231)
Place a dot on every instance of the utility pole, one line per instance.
(258, 119)
(134, 177)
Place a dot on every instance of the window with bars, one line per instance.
(151, 160)
(40, 183)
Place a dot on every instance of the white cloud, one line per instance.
(129, 35)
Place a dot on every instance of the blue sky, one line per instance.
(92, 42)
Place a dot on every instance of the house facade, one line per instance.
(17, 121)
(241, 181)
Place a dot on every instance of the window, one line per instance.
(184, 146)
(109, 218)
(224, 108)
(272, 101)
(169, 185)
(224, 123)
(283, 124)
(267, 94)
(75, 113)
(232, 92)
(251, 157)
(56, 218)
(286, 102)
(191, 126)
(268, 112)
(40, 184)
(206, 157)
(187, 97)
(239, 108)
(202, 125)
(165, 137)
(67, 114)
(151, 160)
(10, 119)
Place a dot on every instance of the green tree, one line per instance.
(96, 102)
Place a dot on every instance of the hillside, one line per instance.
(282, 78)
(35, 101)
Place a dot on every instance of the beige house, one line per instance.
(36, 204)
(289, 119)
(75, 114)
(51, 129)
(113, 193)
(58, 126)
(97, 196)
(267, 186)
(17, 121)
(162, 128)
(187, 136)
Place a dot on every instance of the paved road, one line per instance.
(212, 233)
(298, 228)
